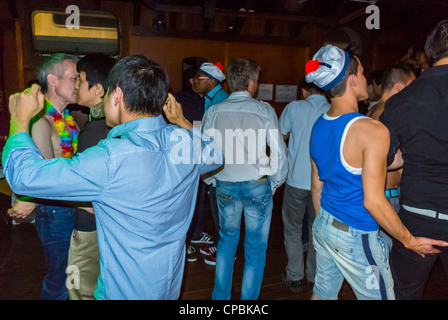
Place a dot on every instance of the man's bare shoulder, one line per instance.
(370, 129)
(42, 128)
(43, 123)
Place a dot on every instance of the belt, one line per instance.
(392, 192)
(426, 212)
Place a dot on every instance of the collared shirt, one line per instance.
(298, 119)
(244, 127)
(214, 96)
(143, 186)
(417, 118)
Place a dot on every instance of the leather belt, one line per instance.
(426, 212)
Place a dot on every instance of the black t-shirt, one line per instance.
(92, 133)
(192, 105)
(417, 118)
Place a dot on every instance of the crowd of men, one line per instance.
(122, 199)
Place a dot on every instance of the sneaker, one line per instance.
(191, 254)
(204, 239)
(294, 286)
(211, 259)
(208, 250)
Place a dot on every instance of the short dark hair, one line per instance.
(144, 84)
(436, 46)
(341, 87)
(97, 67)
(377, 77)
(310, 86)
(395, 74)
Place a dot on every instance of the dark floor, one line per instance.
(22, 267)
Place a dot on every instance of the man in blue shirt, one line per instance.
(208, 81)
(296, 123)
(142, 180)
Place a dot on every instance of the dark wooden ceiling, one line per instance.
(394, 13)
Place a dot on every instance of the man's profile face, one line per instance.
(66, 86)
(202, 84)
(85, 96)
(363, 93)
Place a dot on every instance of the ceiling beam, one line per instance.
(218, 36)
(241, 14)
(352, 16)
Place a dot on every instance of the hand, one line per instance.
(25, 105)
(21, 209)
(425, 246)
(174, 114)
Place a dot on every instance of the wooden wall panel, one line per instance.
(281, 65)
(169, 52)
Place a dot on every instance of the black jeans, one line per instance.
(409, 270)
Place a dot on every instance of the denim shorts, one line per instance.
(360, 257)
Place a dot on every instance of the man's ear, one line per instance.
(51, 80)
(399, 86)
(305, 93)
(352, 80)
(252, 87)
(118, 96)
(99, 90)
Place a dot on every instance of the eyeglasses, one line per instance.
(199, 77)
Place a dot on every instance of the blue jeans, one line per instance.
(255, 199)
(54, 226)
(361, 257)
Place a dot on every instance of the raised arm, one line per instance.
(23, 107)
(174, 113)
(79, 179)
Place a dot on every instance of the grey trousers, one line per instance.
(296, 202)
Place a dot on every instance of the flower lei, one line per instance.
(69, 139)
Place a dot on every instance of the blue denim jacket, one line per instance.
(143, 182)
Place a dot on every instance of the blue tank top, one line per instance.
(342, 193)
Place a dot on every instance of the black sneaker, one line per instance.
(191, 254)
(211, 259)
(208, 250)
(295, 286)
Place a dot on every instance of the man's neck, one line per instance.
(95, 103)
(58, 103)
(342, 105)
(441, 62)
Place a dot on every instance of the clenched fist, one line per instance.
(23, 107)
